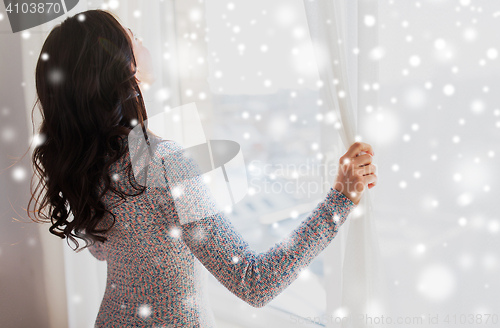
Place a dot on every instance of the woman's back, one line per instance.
(152, 275)
(156, 265)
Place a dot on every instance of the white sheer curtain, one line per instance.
(85, 276)
(344, 34)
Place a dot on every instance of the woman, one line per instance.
(87, 81)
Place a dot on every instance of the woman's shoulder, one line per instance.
(166, 151)
(165, 146)
(154, 144)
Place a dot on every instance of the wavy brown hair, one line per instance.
(89, 100)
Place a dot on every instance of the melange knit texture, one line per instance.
(155, 263)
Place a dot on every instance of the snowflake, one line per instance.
(492, 53)
(176, 192)
(449, 89)
(56, 76)
(369, 20)
(144, 311)
(19, 174)
(175, 232)
(415, 61)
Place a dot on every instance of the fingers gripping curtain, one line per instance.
(342, 33)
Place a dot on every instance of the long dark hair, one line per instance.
(90, 101)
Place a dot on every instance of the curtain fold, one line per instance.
(343, 34)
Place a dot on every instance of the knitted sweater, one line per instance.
(155, 275)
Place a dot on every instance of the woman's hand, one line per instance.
(356, 171)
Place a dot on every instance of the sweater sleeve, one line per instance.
(256, 278)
